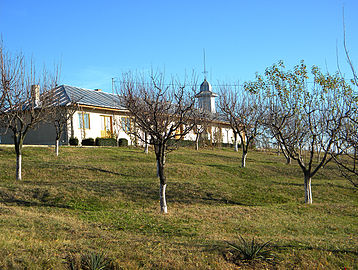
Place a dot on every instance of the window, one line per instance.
(126, 124)
(84, 120)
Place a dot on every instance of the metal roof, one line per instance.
(70, 94)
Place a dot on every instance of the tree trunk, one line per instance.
(18, 166)
(160, 155)
(57, 146)
(72, 130)
(243, 160)
(287, 156)
(146, 144)
(308, 191)
(18, 141)
(236, 145)
(163, 202)
(197, 142)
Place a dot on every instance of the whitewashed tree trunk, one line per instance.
(57, 147)
(308, 190)
(236, 146)
(146, 144)
(163, 201)
(18, 166)
(235, 143)
(243, 161)
(197, 142)
(288, 160)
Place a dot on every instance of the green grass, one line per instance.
(106, 201)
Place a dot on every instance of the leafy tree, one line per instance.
(306, 119)
(349, 139)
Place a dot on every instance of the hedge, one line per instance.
(88, 141)
(106, 142)
(73, 141)
(122, 142)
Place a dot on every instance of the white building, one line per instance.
(101, 115)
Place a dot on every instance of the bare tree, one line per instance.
(303, 117)
(27, 97)
(200, 127)
(164, 112)
(60, 114)
(244, 111)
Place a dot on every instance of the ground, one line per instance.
(106, 201)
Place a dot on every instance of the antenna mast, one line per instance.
(112, 85)
(205, 72)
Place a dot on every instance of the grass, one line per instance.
(105, 201)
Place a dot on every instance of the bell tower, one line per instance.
(206, 98)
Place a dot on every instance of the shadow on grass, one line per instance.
(41, 199)
(335, 251)
(184, 193)
(20, 202)
(314, 184)
(70, 167)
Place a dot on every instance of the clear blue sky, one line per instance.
(97, 40)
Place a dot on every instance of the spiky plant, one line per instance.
(96, 261)
(250, 250)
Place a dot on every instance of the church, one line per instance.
(101, 115)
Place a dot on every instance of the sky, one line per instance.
(95, 41)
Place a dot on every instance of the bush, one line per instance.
(106, 142)
(122, 142)
(181, 143)
(88, 141)
(73, 141)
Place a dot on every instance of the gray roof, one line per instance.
(70, 94)
(205, 90)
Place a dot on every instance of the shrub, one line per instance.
(73, 141)
(250, 250)
(88, 141)
(106, 142)
(181, 143)
(122, 142)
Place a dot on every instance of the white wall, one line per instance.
(95, 126)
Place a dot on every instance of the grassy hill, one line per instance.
(106, 201)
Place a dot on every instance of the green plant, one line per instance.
(73, 141)
(250, 250)
(106, 142)
(122, 142)
(88, 141)
(95, 261)
(90, 261)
